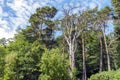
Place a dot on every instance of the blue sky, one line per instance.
(15, 13)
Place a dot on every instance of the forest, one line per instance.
(84, 50)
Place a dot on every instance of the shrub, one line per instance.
(54, 66)
(106, 75)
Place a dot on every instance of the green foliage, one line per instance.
(2, 62)
(116, 47)
(116, 4)
(54, 66)
(27, 60)
(44, 77)
(117, 75)
(3, 42)
(9, 71)
(116, 16)
(92, 54)
(41, 26)
(28, 47)
(2, 52)
(18, 44)
(25, 64)
(111, 75)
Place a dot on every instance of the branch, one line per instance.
(67, 39)
(112, 41)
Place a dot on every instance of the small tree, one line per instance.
(54, 66)
(9, 71)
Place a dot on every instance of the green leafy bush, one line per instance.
(54, 66)
(9, 72)
(106, 75)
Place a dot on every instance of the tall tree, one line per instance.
(86, 24)
(101, 52)
(71, 33)
(103, 17)
(72, 26)
(84, 77)
(41, 26)
(98, 30)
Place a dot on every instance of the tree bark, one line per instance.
(107, 53)
(84, 76)
(101, 56)
(72, 60)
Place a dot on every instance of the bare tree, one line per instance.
(72, 26)
(71, 32)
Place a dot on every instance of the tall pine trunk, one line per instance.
(107, 53)
(84, 76)
(101, 56)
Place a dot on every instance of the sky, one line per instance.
(15, 14)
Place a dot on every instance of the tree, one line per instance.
(86, 24)
(54, 66)
(116, 19)
(116, 5)
(29, 45)
(3, 53)
(27, 58)
(70, 33)
(9, 71)
(98, 29)
(116, 38)
(101, 51)
(3, 42)
(41, 26)
(72, 26)
(103, 17)
(92, 53)
(113, 45)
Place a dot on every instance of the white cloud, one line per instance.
(1, 2)
(23, 9)
(101, 3)
(3, 24)
(5, 30)
(6, 34)
(59, 1)
(5, 14)
(0, 11)
(92, 5)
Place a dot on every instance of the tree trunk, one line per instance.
(101, 56)
(72, 60)
(63, 49)
(84, 77)
(108, 55)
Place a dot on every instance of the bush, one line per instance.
(54, 66)
(9, 71)
(106, 75)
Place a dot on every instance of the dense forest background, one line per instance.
(84, 50)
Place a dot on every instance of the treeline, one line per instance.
(84, 48)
